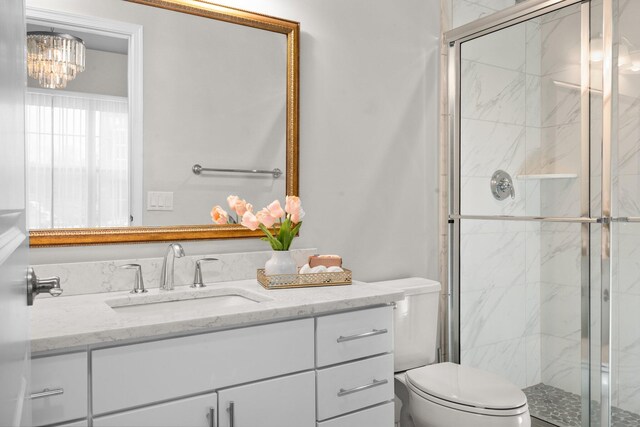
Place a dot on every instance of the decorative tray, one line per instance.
(285, 281)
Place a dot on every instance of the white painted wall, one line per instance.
(368, 138)
(214, 94)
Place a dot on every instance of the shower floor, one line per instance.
(563, 408)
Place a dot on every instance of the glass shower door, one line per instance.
(522, 209)
(625, 248)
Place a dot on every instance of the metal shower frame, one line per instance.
(519, 13)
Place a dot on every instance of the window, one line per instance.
(77, 160)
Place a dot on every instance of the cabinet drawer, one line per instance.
(139, 374)
(355, 385)
(378, 416)
(349, 336)
(191, 412)
(65, 377)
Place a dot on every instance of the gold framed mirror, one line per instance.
(157, 233)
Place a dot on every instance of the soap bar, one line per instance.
(326, 260)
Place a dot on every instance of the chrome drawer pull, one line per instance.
(363, 335)
(212, 417)
(375, 383)
(46, 393)
(232, 415)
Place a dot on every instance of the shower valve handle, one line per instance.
(505, 186)
(502, 186)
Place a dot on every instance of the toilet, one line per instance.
(430, 394)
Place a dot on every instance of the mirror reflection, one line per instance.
(116, 146)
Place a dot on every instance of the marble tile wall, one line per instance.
(520, 304)
(626, 250)
(626, 317)
(500, 291)
(543, 343)
(106, 276)
(560, 153)
(465, 11)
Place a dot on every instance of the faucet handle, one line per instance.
(197, 278)
(138, 286)
(177, 249)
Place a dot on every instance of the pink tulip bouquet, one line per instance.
(289, 219)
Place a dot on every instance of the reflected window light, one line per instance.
(596, 52)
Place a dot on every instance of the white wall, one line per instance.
(214, 94)
(368, 138)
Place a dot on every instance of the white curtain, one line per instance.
(77, 161)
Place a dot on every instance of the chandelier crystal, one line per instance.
(53, 58)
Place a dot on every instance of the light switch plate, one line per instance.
(160, 200)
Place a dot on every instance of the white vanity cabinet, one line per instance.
(282, 402)
(333, 370)
(200, 411)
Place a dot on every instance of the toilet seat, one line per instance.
(467, 389)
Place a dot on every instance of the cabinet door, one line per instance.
(200, 411)
(283, 402)
(59, 388)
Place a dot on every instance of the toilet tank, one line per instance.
(415, 322)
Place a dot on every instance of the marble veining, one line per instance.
(465, 11)
(491, 316)
(489, 49)
(83, 320)
(489, 146)
(501, 98)
(492, 93)
(502, 263)
(106, 276)
(508, 357)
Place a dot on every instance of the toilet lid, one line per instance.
(466, 386)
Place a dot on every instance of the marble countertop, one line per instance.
(104, 318)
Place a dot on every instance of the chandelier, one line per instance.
(53, 58)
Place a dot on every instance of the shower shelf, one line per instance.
(547, 176)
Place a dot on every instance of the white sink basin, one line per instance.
(204, 300)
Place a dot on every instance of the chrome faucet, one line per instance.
(166, 277)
